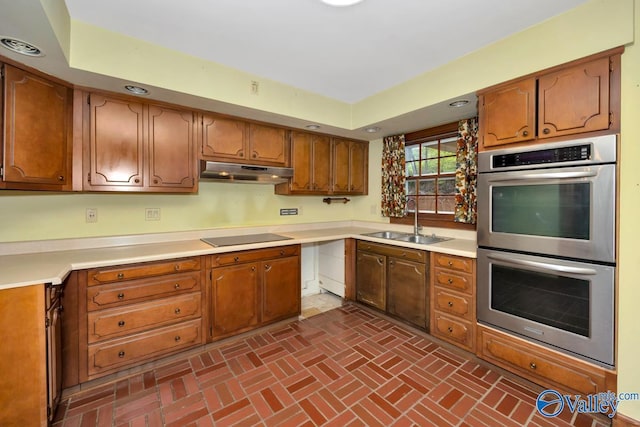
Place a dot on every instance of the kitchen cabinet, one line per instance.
(323, 165)
(37, 121)
(543, 365)
(130, 314)
(350, 162)
(252, 288)
(228, 139)
(393, 279)
(580, 97)
(134, 146)
(23, 357)
(453, 300)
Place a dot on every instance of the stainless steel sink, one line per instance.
(407, 237)
(422, 240)
(393, 235)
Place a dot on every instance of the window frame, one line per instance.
(433, 219)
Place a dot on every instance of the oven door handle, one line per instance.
(545, 266)
(548, 175)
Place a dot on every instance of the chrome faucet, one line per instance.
(416, 226)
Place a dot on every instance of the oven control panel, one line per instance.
(538, 157)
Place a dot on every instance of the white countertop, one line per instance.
(53, 266)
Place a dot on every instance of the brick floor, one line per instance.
(344, 367)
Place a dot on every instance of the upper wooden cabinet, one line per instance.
(350, 166)
(323, 165)
(575, 98)
(133, 146)
(37, 145)
(231, 140)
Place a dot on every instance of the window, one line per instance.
(430, 156)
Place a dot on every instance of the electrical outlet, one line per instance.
(152, 214)
(91, 215)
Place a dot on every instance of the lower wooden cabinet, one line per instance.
(130, 314)
(252, 288)
(393, 279)
(453, 300)
(543, 365)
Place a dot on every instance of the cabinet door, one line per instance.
(350, 164)
(507, 115)
(281, 288)
(574, 100)
(321, 161)
(116, 147)
(268, 145)
(407, 291)
(301, 149)
(223, 139)
(371, 279)
(235, 299)
(37, 147)
(171, 148)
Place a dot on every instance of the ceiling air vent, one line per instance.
(20, 46)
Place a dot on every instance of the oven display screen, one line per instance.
(557, 301)
(554, 155)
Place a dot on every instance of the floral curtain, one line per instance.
(466, 171)
(393, 176)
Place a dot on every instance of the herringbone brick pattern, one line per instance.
(345, 367)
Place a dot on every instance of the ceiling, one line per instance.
(344, 53)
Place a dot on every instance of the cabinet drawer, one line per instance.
(453, 280)
(116, 354)
(457, 305)
(117, 294)
(139, 317)
(254, 255)
(394, 251)
(454, 262)
(542, 365)
(98, 276)
(458, 331)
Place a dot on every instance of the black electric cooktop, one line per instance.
(244, 240)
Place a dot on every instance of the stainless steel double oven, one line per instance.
(546, 238)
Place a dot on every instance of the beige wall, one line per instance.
(593, 27)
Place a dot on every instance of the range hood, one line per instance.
(235, 172)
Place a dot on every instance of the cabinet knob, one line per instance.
(121, 323)
(137, 180)
(392, 262)
(236, 259)
(121, 354)
(450, 263)
(525, 133)
(450, 281)
(282, 252)
(546, 131)
(450, 329)
(241, 154)
(121, 296)
(177, 286)
(177, 338)
(267, 267)
(532, 365)
(120, 275)
(155, 181)
(177, 310)
(255, 156)
(60, 178)
(176, 267)
(253, 269)
(450, 304)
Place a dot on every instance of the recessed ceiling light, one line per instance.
(136, 90)
(458, 103)
(341, 3)
(372, 129)
(313, 127)
(20, 46)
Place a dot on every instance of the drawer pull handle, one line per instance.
(450, 304)
(176, 267)
(121, 323)
(177, 310)
(450, 263)
(281, 252)
(450, 329)
(177, 338)
(532, 365)
(177, 286)
(450, 281)
(120, 275)
(120, 295)
(236, 259)
(391, 262)
(121, 354)
(253, 269)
